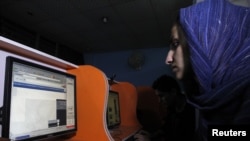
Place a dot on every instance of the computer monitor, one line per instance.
(39, 101)
(113, 110)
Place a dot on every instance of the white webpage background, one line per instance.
(42, 106)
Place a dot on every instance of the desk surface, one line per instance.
(123, 132)
(4, 139)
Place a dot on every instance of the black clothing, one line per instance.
(178, 125)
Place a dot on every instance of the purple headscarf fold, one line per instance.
(218, 34)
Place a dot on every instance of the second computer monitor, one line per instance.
(113, 110)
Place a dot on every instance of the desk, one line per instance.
(122, 133)
(4, 139)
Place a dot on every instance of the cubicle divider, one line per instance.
(128, 103)
(128, 97)
(148, 108)
(92, 90)
(92, 96)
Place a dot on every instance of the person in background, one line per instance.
(210, 55)
(178, 119)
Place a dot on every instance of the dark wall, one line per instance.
(117, 63)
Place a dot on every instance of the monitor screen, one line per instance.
(113, 110)
(39, 102)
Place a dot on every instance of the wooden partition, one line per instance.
(128, 103)
(148, 106)
(92, 97)
(92, 90)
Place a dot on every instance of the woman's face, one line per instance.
(176, 56)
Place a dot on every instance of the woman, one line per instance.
(211, 48)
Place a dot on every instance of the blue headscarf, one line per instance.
(218, 34)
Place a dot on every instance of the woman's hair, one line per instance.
(189, 76)
(182, 36)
